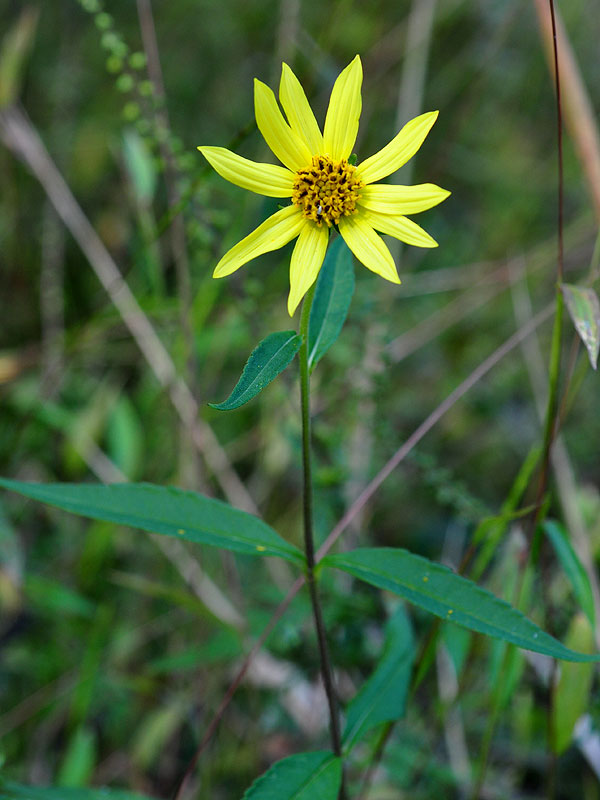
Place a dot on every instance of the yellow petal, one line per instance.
(277, 230)
(402, 147)
(267, 179)
(306, 261)
(289, 148)
(400, 227)
(341, 122)
(398, 200)
(298, 111)
(368, 247)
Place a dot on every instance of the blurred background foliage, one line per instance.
(116, 648)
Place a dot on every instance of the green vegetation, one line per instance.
(142, 636)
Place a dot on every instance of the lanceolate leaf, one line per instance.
(173, 512)
(267, 360)
(333, 294)
(16, 791)
(572, 691)
(584, 308)
(572, 566)
(453, 598)
(305, 776)
(383, 697)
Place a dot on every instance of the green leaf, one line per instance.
(267, 360)
(333, 294)
(383, 696)
(166, 510)
(79, 759)
(305, 776)
(453, 598)
(572, 566)
(584, 308)
(125, 437)
(16, 791)
(572, 691)
(54, 600)
(140, 166)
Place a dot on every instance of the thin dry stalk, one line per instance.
(577, 109)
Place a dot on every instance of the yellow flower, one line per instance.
(324, 187)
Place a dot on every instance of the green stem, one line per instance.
(309, 543)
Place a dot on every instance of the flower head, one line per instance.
(325, 188)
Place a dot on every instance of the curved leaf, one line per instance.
(333, 294)
(267, 360)
(305, 776)
(383, 696)
(160, 509)
(453, 598)
(584, 309)
(572, 566)
(17, 791)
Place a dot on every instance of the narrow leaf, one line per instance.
(383, 696)
(267, 360)
(140, 166)
(333, 294)
(166, 510)
(305, 776)
(453, 598)
(572, 691)
(17, 791)
(572, 566)
(584, 308)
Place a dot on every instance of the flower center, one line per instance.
(327, 190)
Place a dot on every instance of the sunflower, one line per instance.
(326, 189)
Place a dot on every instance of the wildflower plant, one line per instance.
(328, 191)
(327, 188)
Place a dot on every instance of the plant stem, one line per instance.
(309, 544)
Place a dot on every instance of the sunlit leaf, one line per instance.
(383, 696)
(572, 691)
(185, 515)
(267, 360)
(333, 294)
(305, 776)
(139, 165)
(584, 308)
(453, 598)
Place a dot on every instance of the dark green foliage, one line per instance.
(267, 360)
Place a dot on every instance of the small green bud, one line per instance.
(109, 40)
(91, 6)
(125, 83)
(103, 21)
(131, 112)
(114, 64)
(146, 88)
(137, 60)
